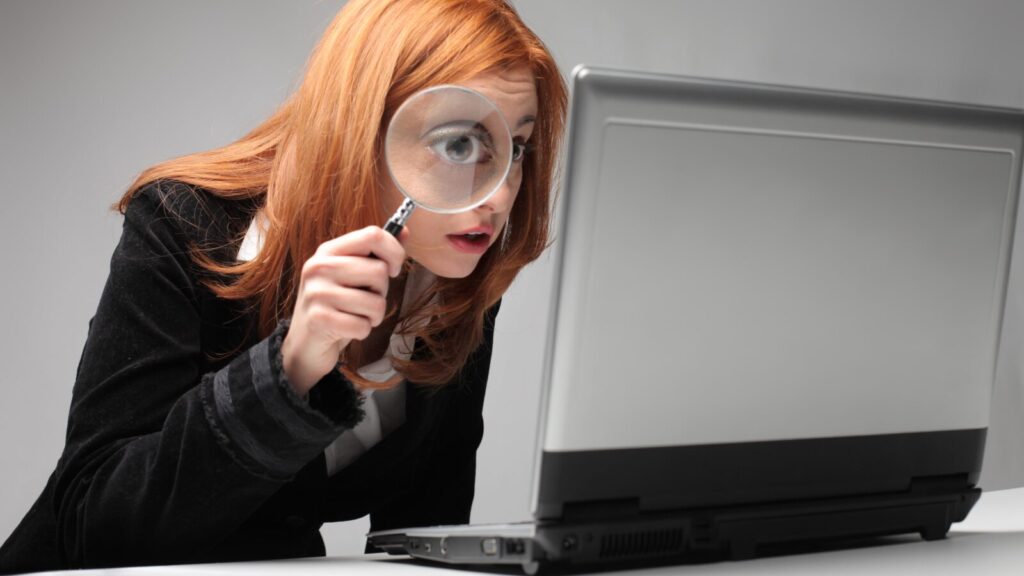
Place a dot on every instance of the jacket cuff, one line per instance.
(264, 424)
(333, 396)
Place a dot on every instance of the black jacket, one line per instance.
(186, 444)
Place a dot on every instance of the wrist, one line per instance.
(300, 379)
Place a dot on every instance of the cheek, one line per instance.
(423, 225)
(515, 182)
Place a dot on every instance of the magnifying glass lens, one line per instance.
(448, 149)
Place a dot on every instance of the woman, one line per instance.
(264, 357)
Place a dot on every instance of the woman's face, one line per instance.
(450, 245)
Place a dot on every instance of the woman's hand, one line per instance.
(342, 297)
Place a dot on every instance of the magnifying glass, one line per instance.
(448, 149)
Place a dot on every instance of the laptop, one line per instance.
(775, 319)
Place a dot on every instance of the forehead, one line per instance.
(514, 91)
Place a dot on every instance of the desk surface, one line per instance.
(989, 542)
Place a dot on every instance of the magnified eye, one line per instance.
(460, 145)
(459, 149)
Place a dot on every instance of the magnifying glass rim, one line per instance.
(501, 180)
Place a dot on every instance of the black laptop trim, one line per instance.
(614, 483)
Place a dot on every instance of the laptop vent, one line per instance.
(646, 543)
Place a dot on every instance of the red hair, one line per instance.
(314, 164)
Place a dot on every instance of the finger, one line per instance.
(372, 240)
(339, 326)
(352, 271)
(352, 301)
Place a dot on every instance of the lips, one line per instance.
(474, 240)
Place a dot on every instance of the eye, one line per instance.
(519, 150)
(459, 149)
(460, 145)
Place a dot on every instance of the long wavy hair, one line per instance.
(315, 164)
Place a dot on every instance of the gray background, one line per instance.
(93, 92)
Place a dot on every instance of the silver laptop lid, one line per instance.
(742, 263)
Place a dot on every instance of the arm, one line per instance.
(162, 462)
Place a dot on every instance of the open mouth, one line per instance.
(476, 237)
(471, 242)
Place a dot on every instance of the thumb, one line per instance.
(403, 236)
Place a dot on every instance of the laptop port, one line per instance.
(514, 547)
(489, 546)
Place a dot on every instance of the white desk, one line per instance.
(990, 542)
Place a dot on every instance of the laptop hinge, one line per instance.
(624, 508)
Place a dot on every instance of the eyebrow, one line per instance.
(526, 120)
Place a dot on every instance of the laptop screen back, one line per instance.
(742, 263)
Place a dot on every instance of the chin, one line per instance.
(447, 268)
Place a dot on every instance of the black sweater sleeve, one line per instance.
(162, 461)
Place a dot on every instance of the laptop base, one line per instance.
(737, 532)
